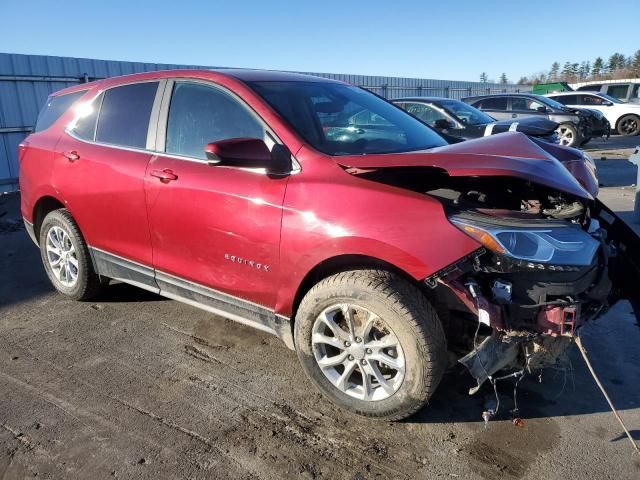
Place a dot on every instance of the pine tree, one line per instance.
(616, 62)
(582, 71)
(523, 81)
(503, 78)
(483, 77)
(566, 71)
(635, 64)
(598, 67)
(553, 73)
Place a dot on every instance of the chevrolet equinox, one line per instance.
(372, 255)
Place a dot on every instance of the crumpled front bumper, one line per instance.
(527, 318)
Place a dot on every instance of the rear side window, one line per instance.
(54, 109)
(590, 88)
(200, 114)
(567, 99)
(125, 113)
(494, 103)
(618, 91)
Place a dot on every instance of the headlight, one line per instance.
(564, 244)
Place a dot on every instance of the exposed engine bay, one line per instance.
(549, 262)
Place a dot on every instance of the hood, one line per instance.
(510, 154)
(536, 126)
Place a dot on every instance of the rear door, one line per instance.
(215, 229)
(100, 167)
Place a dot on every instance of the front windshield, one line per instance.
(339, 119)
(465, 113)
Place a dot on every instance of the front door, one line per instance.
(527, 107)
(215, 230)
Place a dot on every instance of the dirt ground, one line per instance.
(136, 386)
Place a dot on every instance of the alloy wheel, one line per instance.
(358, 352)
(565, 136)
(62, 257)
(629, 125)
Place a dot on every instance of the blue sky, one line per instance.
(454, 40)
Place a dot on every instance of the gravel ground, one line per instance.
(136, 386)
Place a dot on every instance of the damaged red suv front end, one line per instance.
(551, 257)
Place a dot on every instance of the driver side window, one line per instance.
(426, 113)
(200, 114)
(591, 100)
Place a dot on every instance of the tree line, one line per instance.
(617, 66)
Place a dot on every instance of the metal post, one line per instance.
(446, 92)
(635, 159)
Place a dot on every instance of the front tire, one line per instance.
(628, 125)
(568, 135)
(66, 257)
(371, 343)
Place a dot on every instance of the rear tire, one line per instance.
(568, 135)
(66, 258)
(628, 125)
(385, 310)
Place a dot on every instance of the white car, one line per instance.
(623, 117)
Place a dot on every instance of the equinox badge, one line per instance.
(249, 263)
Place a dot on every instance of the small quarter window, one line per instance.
(87, 119)
(125, 113)
(54, 108)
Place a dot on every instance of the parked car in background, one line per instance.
(371, 257)
(624, 90)
(577, 126)
(458, 119)
(624, 117)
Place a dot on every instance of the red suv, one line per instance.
(325, 215)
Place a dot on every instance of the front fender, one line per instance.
(354, 216)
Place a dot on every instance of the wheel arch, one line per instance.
(41, 209)
(342, 263)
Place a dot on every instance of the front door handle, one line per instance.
(514, 115)
(72, 155)
(166, 175)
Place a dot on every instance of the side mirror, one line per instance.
(249, 153)
(443, 124)
(542, 109)
(607, 104)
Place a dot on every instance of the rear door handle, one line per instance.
(72, 155)
(165, 175)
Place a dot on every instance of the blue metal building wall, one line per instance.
(27, 80)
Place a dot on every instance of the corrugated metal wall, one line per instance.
(27, 80)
